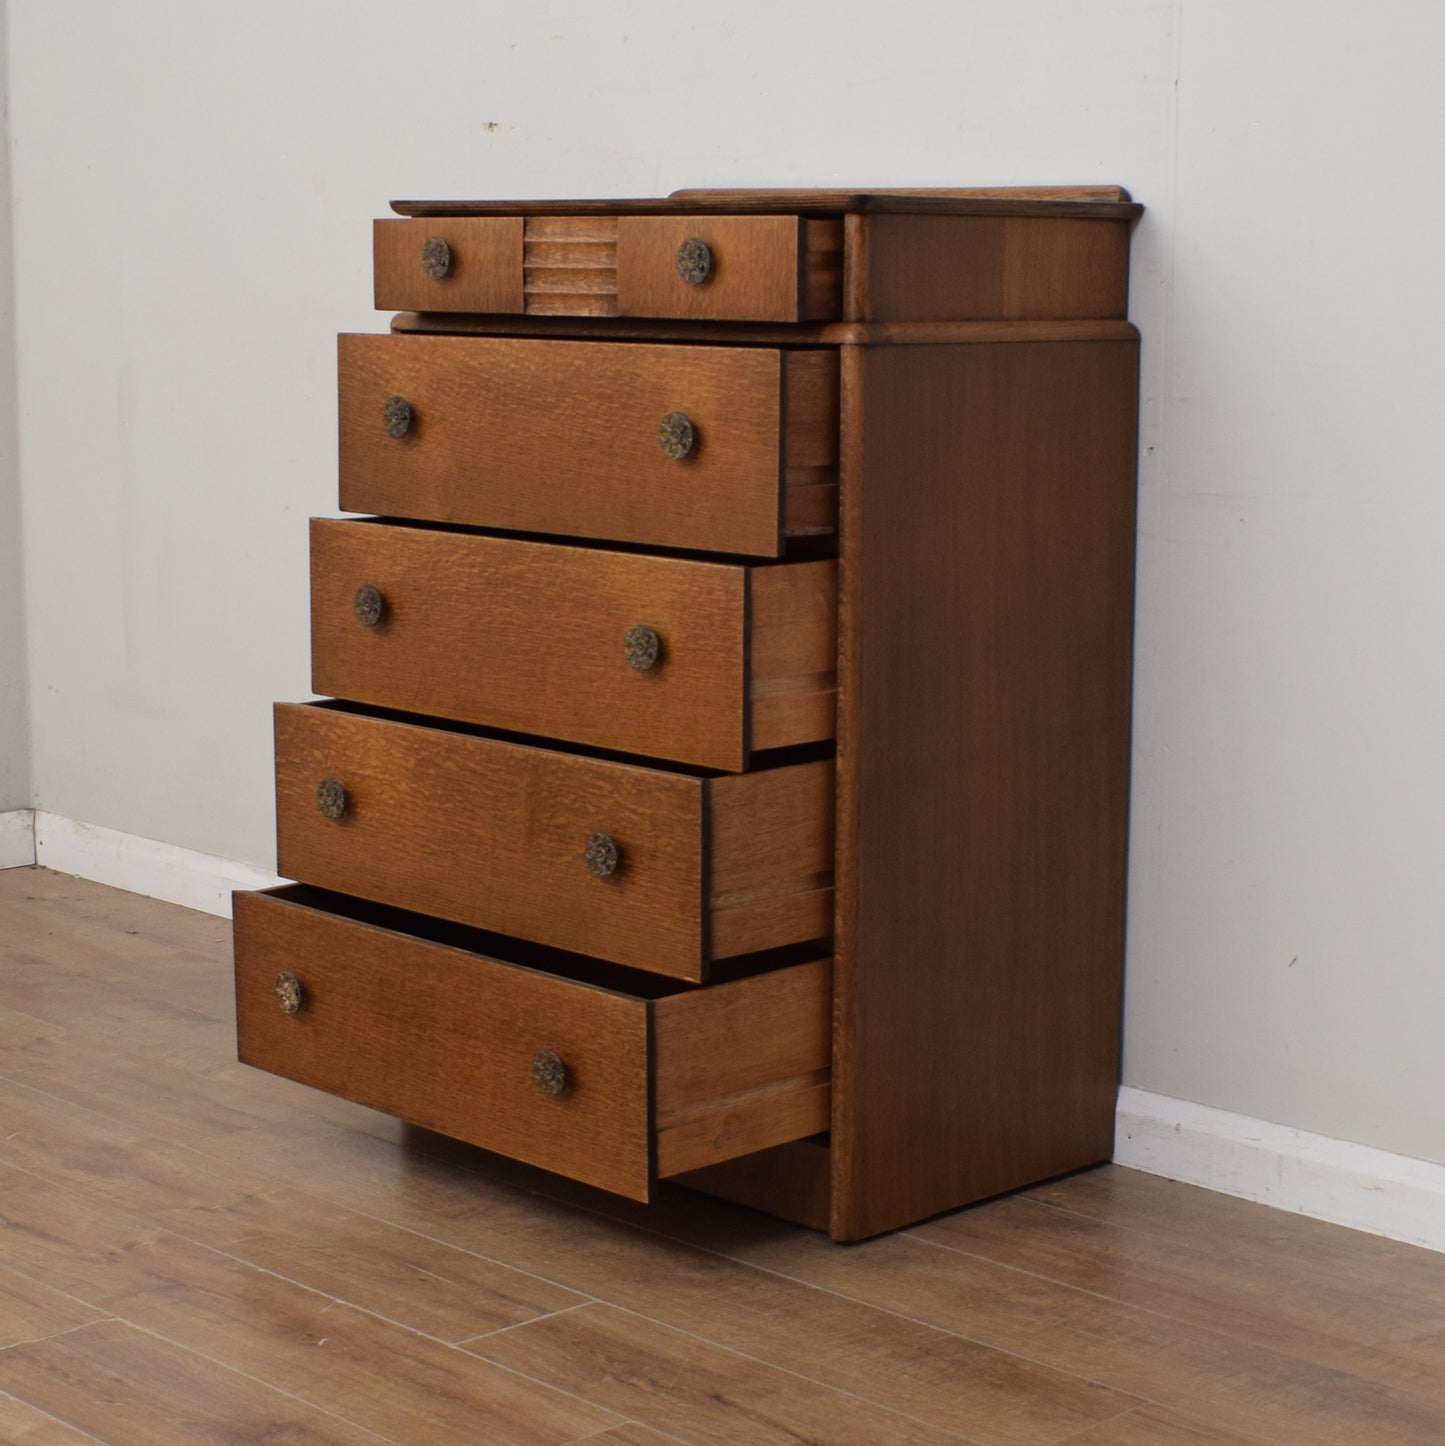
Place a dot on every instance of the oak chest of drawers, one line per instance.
(725, 769)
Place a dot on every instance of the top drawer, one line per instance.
(689, 268)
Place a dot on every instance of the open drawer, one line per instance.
(607, 1076)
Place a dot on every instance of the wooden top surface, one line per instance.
(1105, 203)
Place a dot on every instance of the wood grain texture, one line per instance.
(445, 1039)
(810, 443)
(1108, 202)
(679, 1384)
(764, 268)
(630, 1435)
(485, 274)
(1232, 1386)
(423, 1284)
(128, 988)
(124, 1386)
(1227, 1289)
(569, 265)
(1156, 1426)
(792, 653)
(803, 334)
(30, 1311)
(772, 857)
(983, 758)
(741, 1066)
(978, 268)
(22, 1425)
(791, 1181)
(563, 438)
(529, 637)
(493, 834)
(363, 1369)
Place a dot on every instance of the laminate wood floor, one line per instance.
(193, 1252)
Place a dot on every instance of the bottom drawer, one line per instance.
(609, 1076)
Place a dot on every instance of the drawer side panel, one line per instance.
(743, 1066)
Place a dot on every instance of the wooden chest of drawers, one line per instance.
(728, 770)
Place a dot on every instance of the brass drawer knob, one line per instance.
(289, 993)
(601, 856)
(436, 257)
(331, 797)
(641, 647)
(396, 416)
(694, 261)
(369, 605)
(549, 1074)
(675, 435)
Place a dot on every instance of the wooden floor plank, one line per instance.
(1397, 1275)
(1267, 1300)
(917, 1370)
(422, 1283)
(22, 1425)
(1240, 1386)
(128, 1388)
(369, 1371)
(237, 1226)
(29, 1310)
(1155, 1426)
(692, 1389)
(90, 1152)
(631, 1434)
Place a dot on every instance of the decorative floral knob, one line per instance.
(694, 261)
(396, 416)
(289, 993)
(676, 436)
(436, 257)
(549, 1074)
(369, 605)
(641, 647)
(331, 797)
(601, 856)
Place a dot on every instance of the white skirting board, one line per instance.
(1367, 1189)
(17, 838)
(142, 865)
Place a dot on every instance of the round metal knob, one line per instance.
(641, 647)
(368, 605)
(436, 257)
(601, 856)
(675, 435)
(289, 993)
(396, 416)
(549, 1074)
(694, 261)
(331, 797)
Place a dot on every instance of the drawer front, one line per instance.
(449, 264)
(496, 835)
(704, 268)
(651, 655)
(729, 268)
(568, 438)
(449, 1038)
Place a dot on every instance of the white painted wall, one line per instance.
(193, 185)
(14, 712)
